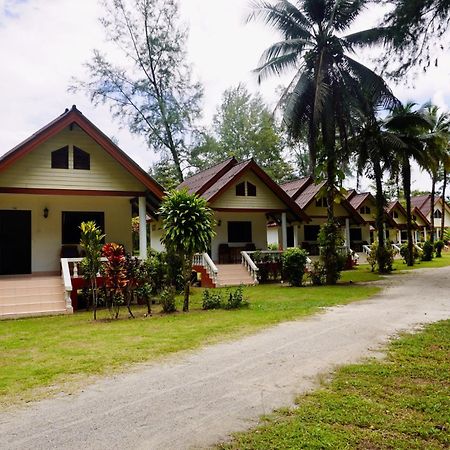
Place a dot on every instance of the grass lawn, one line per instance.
(402, 402)
(37, 354)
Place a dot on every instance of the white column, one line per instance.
(142, 228)
(295, 235)
(284, 230)
(384, 232)
(425, 233)
(399, 236)
(347, 232)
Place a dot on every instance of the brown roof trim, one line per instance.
(78, 192)
(418, 212)
(274, 187)
(75, 116)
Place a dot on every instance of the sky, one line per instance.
(44, 43)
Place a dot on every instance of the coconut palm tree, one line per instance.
(411, 127)
(436, 146)
(327, 80)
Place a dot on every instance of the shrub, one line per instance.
(427, 251)
(381, 259)
(294, 264)
(330, 239)
(168, 300)
(235, 299)
(438, 246)
(404, 253)
(212, 299)
(317, 273)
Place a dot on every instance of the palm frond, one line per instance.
(277, 65)
(373, 36)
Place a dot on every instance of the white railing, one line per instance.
(417, 247)
(67, 276)
(367, 249)
(205, 261)
(396, 247)
(248, 263)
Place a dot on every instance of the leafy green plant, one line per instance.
(438, 246)
(330, 239)
(294, 264)
(91, 242)
(167, 300)
(317, 273)
(211, 299)
(417, 254)
(235, 299)
(427, 251)
(188, 227)
(381, 259)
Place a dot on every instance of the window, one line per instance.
(71, 221)
(251, 189)
(311, 232)
(240, 189)
(60, 158)
(81, 159)
(321, 202)
(364, 210)
(395, 215)
(239, 232)
(246, 189)
(437, 214)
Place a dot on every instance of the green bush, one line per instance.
(427, 251)
(212, 299)
(235, 299)
(438, 246)
(294, 264)
(404, 253)
(330, 239)
(168, 299)
(381, 259)
(317, 273)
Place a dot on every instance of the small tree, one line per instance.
(187, 229)
(294, 264)
(91, 242)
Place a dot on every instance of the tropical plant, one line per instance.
(115, 275)
(188, 227)
(330, 239)
(91, 241)
(410, 127)
(167, 299)
(235, 299)
(427, 251)
(294, 264)
(328, 82)
(152, 90)
(317, 274)
(211, 299)
(438, 246)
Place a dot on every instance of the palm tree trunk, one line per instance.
(187, 282)
(406, 175)
(433, 192)
(379, 220)
(444, 187)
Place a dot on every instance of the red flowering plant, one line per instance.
(115, 274)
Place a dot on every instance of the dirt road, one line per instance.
(196, 399)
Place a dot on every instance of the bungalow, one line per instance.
(396, 231)
(67, 172)
(310, 197)
(422, 203)
(244, 198)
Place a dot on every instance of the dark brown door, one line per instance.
(15, 242)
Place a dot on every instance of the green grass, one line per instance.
(37, 354)
(402, 402)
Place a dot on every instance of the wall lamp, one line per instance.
(45, 212)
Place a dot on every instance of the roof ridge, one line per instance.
(211, 167)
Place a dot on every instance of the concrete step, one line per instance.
(21, 282)
(233, 275)
(48, 296)
(32, 307)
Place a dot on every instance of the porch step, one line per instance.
(31, 295)
(233, 275)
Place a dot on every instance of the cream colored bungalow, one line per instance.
(422, 204)
(310, 197)
(244, 198)
(396, 231)
(67, 172)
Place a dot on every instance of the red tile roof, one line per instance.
(308, 195)
(356, 200)
(293, 188)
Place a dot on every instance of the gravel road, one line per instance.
(196, 399)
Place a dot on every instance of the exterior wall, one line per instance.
(155, 236)
(34, 170)
(46, 233)
(437, 222)
(373, 209)
(259, 230)
(264, 199)
(401, 219)
(313, 211)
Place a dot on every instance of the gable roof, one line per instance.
(211, 182)
(423, 203)
(356, 200)
(395, 204)
(74, 116)
(295, 187)
(417, 212)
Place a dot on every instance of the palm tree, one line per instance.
(410, 126)
(327, 81)
(436, 142)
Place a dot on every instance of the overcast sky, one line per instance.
(43, 43)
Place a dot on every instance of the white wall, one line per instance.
(46, 234)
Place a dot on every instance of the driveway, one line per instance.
(196, 399)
